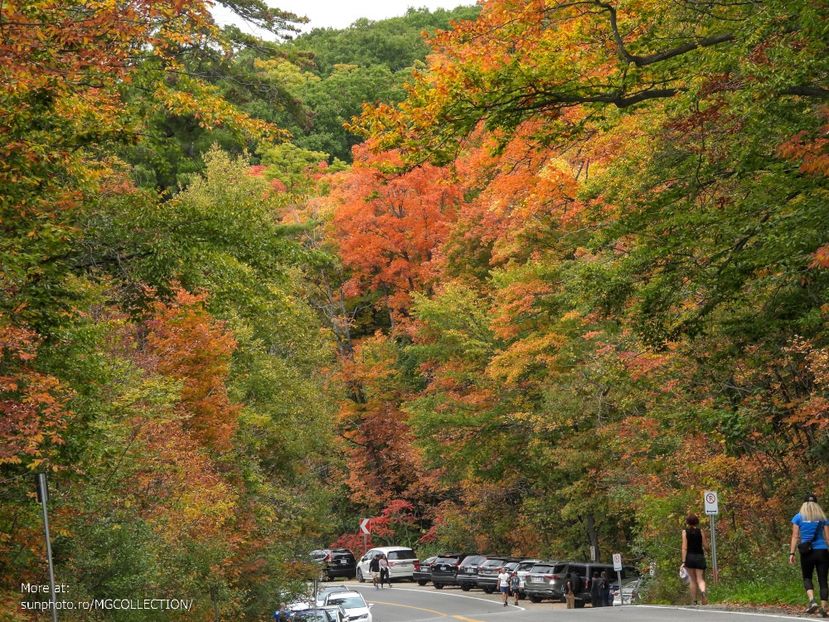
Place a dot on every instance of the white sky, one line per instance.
(339, 13)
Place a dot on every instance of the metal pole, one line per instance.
(41, 486)
(621, 592)
(714, 547)
(365, 547)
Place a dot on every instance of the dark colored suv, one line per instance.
(445, 569)
(488, 571)
(336, 563)
(423, 571)
(467, 575)
(547, 579)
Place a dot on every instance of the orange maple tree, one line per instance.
(189, 345)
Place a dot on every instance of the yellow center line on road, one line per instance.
(434, 611)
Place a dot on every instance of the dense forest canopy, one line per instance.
(527, 277)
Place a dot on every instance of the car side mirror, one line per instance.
(370, 605)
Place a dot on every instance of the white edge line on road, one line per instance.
(736, 613)
(441, 593)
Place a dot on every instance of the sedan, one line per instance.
(355, 606)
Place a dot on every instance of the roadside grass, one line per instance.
(770, 582)
(759, 592)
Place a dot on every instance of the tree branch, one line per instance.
(643, 61)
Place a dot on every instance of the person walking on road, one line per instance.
(570, 591)
(515, 586)
(596, 590)
(503, 584)
(694, 544)
(374, 569)
(810, 535)
(384, 570)
(606, 601)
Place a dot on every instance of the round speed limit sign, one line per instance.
(711, 502)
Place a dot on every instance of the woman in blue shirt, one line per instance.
(809, 525)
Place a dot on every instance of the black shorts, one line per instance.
(695, 560)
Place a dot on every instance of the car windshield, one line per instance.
(493, 563)
(312, 616)
(526, 565)
(473, 559)
(404, 554)
(349, 602)
(511, 565)
(446, 560)
(547, 569)
(330, 590)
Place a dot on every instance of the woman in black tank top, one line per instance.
(693, 557)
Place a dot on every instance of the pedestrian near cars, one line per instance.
(503, 584)
(570, 591)
(606, 602)
(810, 535)
(596, 590)
(515, 586)
(694, 544)
(384, 570)
(374, 569)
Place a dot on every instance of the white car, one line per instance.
(402, 561)
(323, 592)
(353, 603)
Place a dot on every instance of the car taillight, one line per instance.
(417, 564)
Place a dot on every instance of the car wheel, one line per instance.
(421, 582)
(535, 599)
(465, 588)
(488, 590)
(360, 576)
(438, 586)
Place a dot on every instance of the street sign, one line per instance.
(617, 562)
(364, 526)
(711, 503)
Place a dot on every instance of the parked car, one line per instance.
(488, 571)
(323, 592)
(423, 570)
(355, 606)
(522, 571)
(544, 581)
(467, 575)
(445, 569)
(335, 563)
(402, 562)
(313, 614)
(547, 580)
(631, 592)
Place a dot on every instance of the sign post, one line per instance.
(43, 497)
(617, 566)
(364, 523)
(712, 510)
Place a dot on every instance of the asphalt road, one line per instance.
(408, 602)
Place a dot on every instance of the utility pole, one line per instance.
(43, 497)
